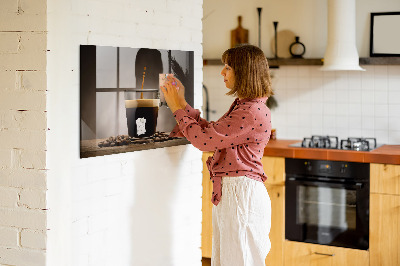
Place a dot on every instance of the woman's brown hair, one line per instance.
(250, 66)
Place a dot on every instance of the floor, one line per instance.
(206, 261)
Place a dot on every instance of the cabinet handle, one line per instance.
(324, 254)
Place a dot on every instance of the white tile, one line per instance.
(292, 83)
(394, 97)
(367, 96)
(316, 82)
(317, 107)
(317, 95)
(329, 109)
(355, 96)
(394, 137)
(394, 110)
(329, 95)
(382, 136)
(367, 83)
(355, 132)
(342, 133)
(316, 72)
(317, 121)
(329, 122)
(382, 110)
(342, 96)
(368, 110)
(367, 133)
(305, 109)
(303, 82)
(342, 122)
(355, 122)
(317, 131)
(381, 84)
(291, 71)
(381, 71)
(355, 109)
(354, 80)
(394, 83)
(367, 122)
(342, 109)
(304, 72)
(394, 123)
(342, 81)
(381, 97)
(381, 123)
(328, 74)
(394, 70)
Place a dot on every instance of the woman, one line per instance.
(242, 208)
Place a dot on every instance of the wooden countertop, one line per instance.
(389, 154)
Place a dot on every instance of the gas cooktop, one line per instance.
(332, 142)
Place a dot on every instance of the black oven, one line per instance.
(327, 202)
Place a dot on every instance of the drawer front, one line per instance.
(297, 253)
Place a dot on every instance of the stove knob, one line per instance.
(343, 168)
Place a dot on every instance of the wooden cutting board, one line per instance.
(239, 35)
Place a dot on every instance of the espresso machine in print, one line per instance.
(121, 103)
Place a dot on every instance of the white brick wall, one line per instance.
(23, 132)
(138, 208)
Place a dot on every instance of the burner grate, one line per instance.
(327, 142)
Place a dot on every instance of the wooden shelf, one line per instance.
(380, 61)
(273, 63)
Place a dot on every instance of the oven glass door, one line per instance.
(327, 213)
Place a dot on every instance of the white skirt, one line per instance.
(241, 223)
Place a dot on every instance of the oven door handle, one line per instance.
(351, 185)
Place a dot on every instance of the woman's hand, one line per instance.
(174, 94)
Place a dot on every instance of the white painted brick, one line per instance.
(36, 7)
(22, 22)
(17, 256)
(8, 237)
(5, 158)
(31, 80)
(22, 218)
(9, 42)
(8, 197)
(33, 199)
(7, 80)
(33, 239)
(23, 178)
(31, 55)
(23, 100)
(23, 139)
(33, 159)
(35, 120)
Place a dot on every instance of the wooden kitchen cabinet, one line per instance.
(274, 168)
(277, 233)
(385, 178)
(305, 254)
(206, 225)
(385, 215)
(384, 236)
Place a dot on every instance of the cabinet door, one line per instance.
(304, 254)
(277, 233)
(274, 168)
(206, 232)
(384, 230)
(385, 178)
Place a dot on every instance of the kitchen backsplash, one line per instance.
(314, 102)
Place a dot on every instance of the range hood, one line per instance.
(341, 51)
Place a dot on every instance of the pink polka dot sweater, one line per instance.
(238, 139)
